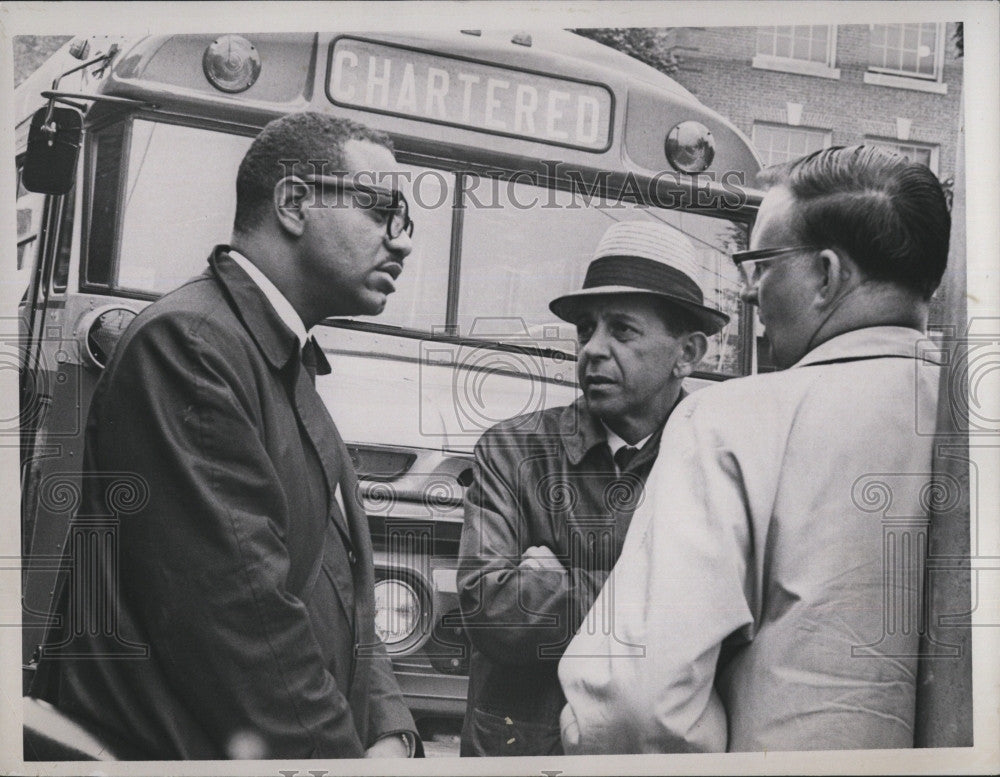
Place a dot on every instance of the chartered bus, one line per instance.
(519, 149)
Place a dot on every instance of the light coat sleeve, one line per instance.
(638, 677)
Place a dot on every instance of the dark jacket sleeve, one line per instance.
(514, 615)
(388, 713)
(207, 555)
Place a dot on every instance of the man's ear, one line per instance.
(693, 347)
(835, 276)
(291, 199)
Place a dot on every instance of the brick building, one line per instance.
(797, 89)
(793, 90)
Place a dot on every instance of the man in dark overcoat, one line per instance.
(243, 577)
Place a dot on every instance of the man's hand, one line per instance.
(541, 557)
(570, 728)
(391, 746)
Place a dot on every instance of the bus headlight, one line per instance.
(99, 331)
(397, 610)
(690, 147)
(231, 63)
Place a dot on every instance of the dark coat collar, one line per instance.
(276, 341)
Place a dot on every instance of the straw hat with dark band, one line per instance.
(643, 257)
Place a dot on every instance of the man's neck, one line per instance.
(633, 429)
(874, 304)
(282, 305)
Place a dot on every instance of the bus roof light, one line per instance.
(231, 63)
(690, 147)
(521, 39)
(79, 48)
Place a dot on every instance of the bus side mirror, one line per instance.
(53, 149)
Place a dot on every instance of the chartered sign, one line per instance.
(465, 93)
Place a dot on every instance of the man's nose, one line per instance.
(401, 245)
(596, 347)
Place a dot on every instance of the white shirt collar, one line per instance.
(615, 443)
(278, 301)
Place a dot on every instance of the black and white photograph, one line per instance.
(500, 388)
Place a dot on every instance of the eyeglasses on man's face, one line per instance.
(751, 263)
(390, 202)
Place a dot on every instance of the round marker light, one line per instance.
(690, 147)
(231, 63)
(397, 611)
(99, 332)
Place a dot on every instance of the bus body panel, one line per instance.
(151, 70)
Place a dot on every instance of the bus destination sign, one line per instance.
(462, 93)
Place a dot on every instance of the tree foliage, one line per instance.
(30, 51)
(652, 45)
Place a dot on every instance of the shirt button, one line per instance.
(352, 558)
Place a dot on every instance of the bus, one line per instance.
(519, 150)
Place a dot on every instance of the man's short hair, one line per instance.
(312, 142)
(887, 213)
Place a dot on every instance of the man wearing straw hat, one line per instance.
(768, 594)
(554, 491)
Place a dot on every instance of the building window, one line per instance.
(777, 144)
(915, 152)
(804, 49)
(810, 43)
(911, 50)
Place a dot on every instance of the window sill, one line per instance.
(799, 67)
(902, 82)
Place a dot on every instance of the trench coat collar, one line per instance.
(276, 341)
(874, 342)
(580, 431)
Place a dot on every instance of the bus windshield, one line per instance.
(521, 245)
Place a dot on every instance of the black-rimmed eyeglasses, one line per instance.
(388, 201)
(749, 262)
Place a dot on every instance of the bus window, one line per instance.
(179, 202)
(537, 244)
(64, 246)
(29, 222)
(106, 167)
(30, 210)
